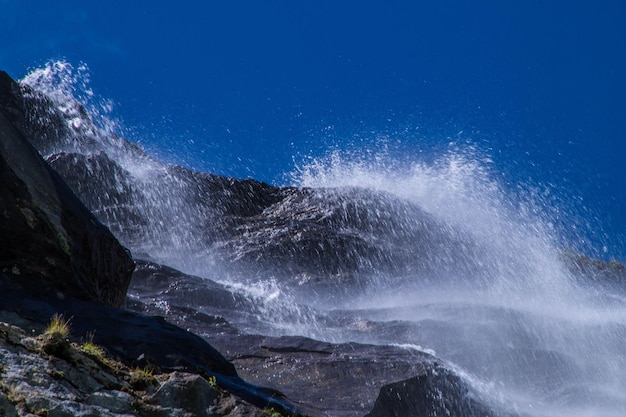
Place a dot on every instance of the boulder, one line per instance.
(49, 236)
(435, 392)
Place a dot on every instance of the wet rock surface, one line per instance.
(421, 396)
(348, 379)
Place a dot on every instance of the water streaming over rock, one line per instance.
(436, 256)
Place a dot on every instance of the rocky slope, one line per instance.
(56, 257)
(304, 236)
(78, 379)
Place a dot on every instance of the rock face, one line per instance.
(339, 380)
(51, 240)
(309, 238)
(55, 256)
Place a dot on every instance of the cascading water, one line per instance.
(502, 306)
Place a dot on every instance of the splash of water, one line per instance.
(523, 328)
(549, 345)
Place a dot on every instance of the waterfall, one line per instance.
(458, 264)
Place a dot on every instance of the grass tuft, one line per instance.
(91, 349)
(58, 327)
(141, 378)
(56, 336)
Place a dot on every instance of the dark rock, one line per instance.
(334, 379)
(34, 115)
(338, 239)
(322, 241)
(596, 272)
(49, 234)
(436, 392)
(55, 256)
(189, 392)
(188, 301)
(340, 380)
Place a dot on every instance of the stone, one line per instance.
(7, 408)
(115, 401)
(436, 392)
(188, 392)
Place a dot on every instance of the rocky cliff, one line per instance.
(51, 241)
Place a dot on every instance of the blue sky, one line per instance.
(243, 88)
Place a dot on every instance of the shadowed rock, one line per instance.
(48, 234)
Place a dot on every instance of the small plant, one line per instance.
(141, 378)
(212, 381)
(64, 245)
(56, 336)
(91, 349)
(58, 327)
(56, 374)
(271, 412)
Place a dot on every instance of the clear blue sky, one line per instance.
(243, 87)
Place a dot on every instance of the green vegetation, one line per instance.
(271, 412)
(141, 378)
(91, 349)
(56, 336)
(64, 245)
(58, 327)
(56, 374)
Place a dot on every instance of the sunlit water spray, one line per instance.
(510, 316)
(554, 347)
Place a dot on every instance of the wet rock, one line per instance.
(334, 379)
(596, 272)
(436, 392)
(312, 238)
